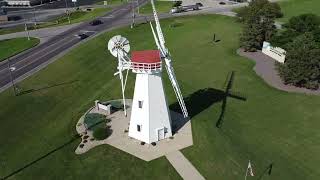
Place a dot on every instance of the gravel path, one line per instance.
(265, 68)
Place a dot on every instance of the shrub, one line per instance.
(177, 4)
(302, 66)
(101, 133)
(94, 120)
(297, 26)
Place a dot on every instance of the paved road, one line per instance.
(54, 4)
(41, 55)
(38, 57)
(44, 34)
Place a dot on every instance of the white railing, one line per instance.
(142, 66)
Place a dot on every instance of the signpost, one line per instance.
(11, 70)
(276, 53)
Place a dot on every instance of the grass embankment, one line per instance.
(161, 6)
(271, 126)
(75, 17)
(11, 47)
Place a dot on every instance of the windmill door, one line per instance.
(160, 134)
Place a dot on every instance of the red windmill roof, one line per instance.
(147, 56)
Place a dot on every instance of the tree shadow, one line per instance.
(46, 87)
(74, 138)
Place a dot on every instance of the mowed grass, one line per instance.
(292, 8)
(271, 126)
(11, 47)
(161, 6)
(75, 17)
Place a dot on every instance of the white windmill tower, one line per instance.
(150, 116)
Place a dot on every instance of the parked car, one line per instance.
(222, 3)
(96, 22)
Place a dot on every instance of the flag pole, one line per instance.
(245, 178)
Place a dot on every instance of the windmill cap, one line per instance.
(146, 56)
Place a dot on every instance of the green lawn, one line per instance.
(292, 8)
(75, 17)
(11, 47)
(271, 126)
(161, 6)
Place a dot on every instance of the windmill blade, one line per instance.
(125, 82)
(157, 41)
(176, 87)
(122, 89)
(158, 27)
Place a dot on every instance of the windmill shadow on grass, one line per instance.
(204, 98)
(228, 93)
(46, 87)
(73, 139)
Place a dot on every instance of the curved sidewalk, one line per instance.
(265, 68)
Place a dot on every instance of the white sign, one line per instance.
(74, 1)
(276, 53)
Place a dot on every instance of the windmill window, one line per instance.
(138, 128)
(140, 104)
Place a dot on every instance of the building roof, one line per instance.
(146, 56)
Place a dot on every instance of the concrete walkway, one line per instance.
(183, 166)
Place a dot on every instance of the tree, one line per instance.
(302, 66)
(177, 4)
(259, 8)
(297, 26)
(258, 19)
(251, 37)
(304, 23)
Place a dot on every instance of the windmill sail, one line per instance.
(158, 27)
(176, 87)
(165, 53)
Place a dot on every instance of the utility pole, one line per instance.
(138, 6)
(133, 14)
(12, 69)
(26, 30)
(34, 17)
(67, 11)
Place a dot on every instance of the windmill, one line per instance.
(150, 119)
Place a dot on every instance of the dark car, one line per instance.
(96, 22)
(199, 4)
(222, 3)
(82, 36)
